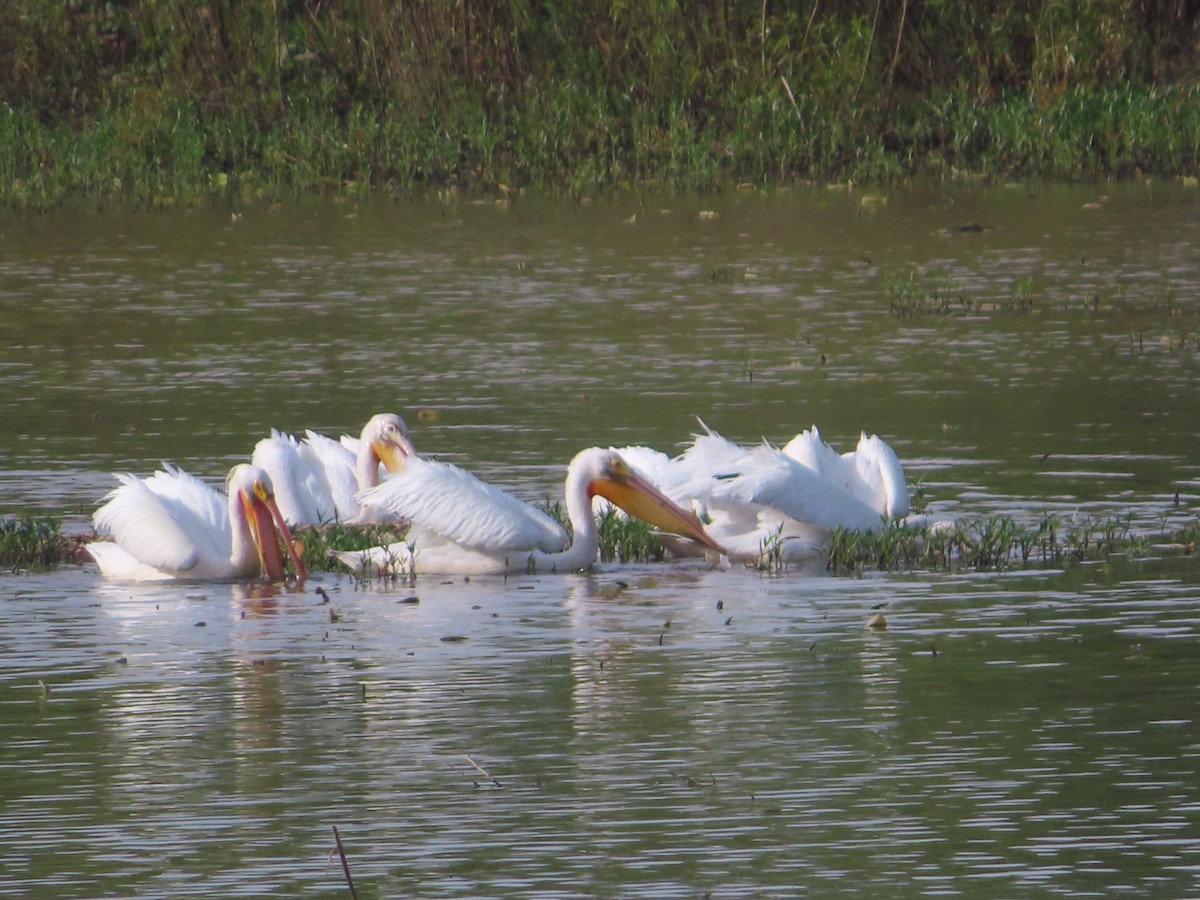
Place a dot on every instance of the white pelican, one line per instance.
(316, 479)
(789, 500)
(463, 526)
(173, 525)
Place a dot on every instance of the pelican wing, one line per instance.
(279, 455)
(338, 485)
(197, 506)
(458, 506)
(660, 470)
(882, 477)
(809, 450)
(700, 469)
(654, 465)
(768, 477)
(170, 521)
(711, 451)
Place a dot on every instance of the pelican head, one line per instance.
(252, 487)
(387, 436)
(611, 477)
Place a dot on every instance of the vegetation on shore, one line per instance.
(231, 101)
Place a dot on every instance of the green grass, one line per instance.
(626, 539)
(978, 544)
(983, 544)
(168, 103)
(34, 542)
(622, 538)
(316, 542)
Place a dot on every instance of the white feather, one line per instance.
(173, 525)
(448, 501)
(795, 496)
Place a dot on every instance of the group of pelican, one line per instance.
(721, 498)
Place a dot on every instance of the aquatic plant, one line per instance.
(991, 543)
(34, 541)
(929, 292)
(318, 541)
(622, 538)
(627, 539)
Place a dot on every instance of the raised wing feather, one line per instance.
(336, 463)
(170, 521)
(810, 451)
(704, 465)
(455, 504)
(882, 476)
(193, 503)
(770, 478)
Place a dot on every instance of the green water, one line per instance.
(662, 731)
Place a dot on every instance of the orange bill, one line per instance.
(632, 493)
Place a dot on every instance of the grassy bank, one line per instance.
(230, 101)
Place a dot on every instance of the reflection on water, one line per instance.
(605, 734)
(660, 731)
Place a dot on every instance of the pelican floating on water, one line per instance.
(788, 500)
(461, 525)
(316, 479)
(173, 525)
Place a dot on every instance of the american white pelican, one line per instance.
(173, 525)
(316, 479)
(463, 526)
(785, 500)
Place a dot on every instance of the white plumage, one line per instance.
(173, 525)
(317, 479)
(461, 525)
(789, 499)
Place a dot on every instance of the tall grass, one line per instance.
(169, 100)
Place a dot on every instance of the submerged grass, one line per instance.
(995, 543)
(932, 293)
(318, 541)
(970, 544)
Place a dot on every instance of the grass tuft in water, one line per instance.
(993, 543)
(626, 539)
(317, 542)
(622, 538)
(34, 541)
